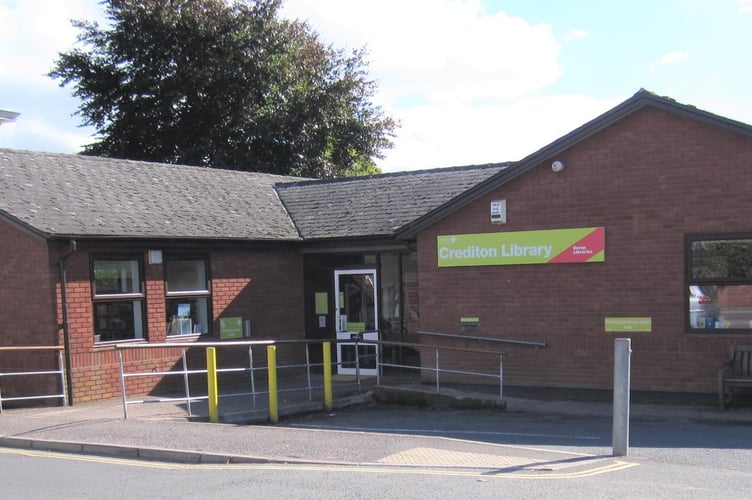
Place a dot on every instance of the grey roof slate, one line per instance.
(57, 195)
(375, 206)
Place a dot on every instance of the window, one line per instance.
(720, 283)
(187, 296)
(118, 300)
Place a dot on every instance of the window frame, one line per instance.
(108, 299)
(200, 294)
(691, 280)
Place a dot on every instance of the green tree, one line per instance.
(226, 85)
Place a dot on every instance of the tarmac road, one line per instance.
(535, 449)
(689, 434)
(682, 436)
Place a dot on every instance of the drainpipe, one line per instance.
(64, 307)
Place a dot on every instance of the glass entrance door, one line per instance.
(356, 300)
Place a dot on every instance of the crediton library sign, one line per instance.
(554, 246)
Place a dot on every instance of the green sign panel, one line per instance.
(629, 324)
(555, 246)
(231, 328)
(322, 302)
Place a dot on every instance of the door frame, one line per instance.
(343, 333)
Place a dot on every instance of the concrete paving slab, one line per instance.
(166, 432)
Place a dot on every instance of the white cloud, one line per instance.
(450, 135)
(745, 6)
(575, 35)
(464, 83)
(33, 35)
(38, 135)
(673, 58)
(440, 50)
(459, 79)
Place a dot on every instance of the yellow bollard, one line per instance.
(211, 380)
(327, 376)
(271, 361)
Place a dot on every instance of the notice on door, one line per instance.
(321, 300)
(555, 246)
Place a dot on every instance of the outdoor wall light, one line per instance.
(557, 166)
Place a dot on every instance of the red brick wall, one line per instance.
(650, 179)
(264, 286)
(27, 311)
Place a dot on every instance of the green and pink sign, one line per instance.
(554, 246)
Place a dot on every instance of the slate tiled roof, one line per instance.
(59, 195)
(375, 206)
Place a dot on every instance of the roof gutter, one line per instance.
(64, 325)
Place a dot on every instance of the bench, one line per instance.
(736, 372)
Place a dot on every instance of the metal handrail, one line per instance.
(488, 339)
(436, 369)
(59, 372)
(252, 368)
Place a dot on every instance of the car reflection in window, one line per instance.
(703, 307)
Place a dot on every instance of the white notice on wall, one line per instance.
(499, 211)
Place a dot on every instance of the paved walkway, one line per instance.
(165, 432)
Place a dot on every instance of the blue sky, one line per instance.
(471, 81)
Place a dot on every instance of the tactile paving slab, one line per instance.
(450, 458)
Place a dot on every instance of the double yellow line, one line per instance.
(614, 466)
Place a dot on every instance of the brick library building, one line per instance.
(636, 225)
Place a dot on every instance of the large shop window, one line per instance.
(720, 284)
(118, 300)
(187, 296)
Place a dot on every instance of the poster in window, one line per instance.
(184, 310)
(185, 326)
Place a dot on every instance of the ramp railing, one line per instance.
(261, 377)
(59, 372)
(257, 375)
